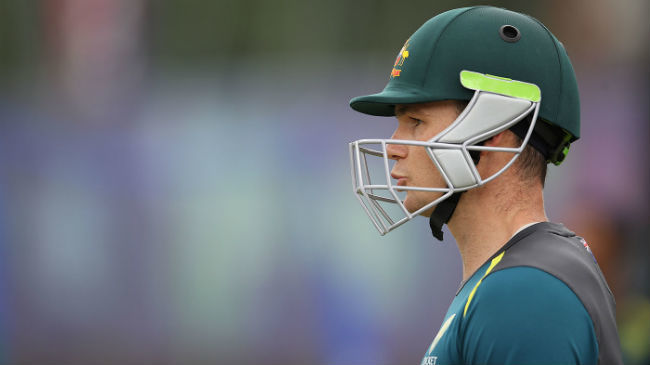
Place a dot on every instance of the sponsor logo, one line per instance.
(430, 360)
(584, 243)
(399, 61)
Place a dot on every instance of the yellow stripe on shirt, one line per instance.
(494, 263)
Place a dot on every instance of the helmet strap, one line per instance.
(442, 214)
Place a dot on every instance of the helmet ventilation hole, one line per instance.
(509, 33)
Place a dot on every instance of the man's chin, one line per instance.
(427, 213)
(413, 207)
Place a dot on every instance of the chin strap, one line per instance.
(442, 213)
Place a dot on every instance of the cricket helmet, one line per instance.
(504, 63)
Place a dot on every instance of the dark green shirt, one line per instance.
(518, 309)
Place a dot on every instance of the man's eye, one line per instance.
(416, 121)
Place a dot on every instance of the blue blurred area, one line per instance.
(192, 203)
(4, 290)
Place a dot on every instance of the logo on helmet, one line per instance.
(399, 61)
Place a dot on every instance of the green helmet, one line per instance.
(491, 41)
(514, 74)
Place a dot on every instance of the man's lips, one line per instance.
(401, 180)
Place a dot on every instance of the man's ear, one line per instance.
(503, 139)
(496, 140)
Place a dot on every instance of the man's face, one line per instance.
(413, 166)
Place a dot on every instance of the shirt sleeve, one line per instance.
(523, 315)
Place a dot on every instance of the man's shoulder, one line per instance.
(527, 316)
(553, 249)
(543, 242)
(526, 290)
(557, 251)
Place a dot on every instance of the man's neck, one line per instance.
(481, 225)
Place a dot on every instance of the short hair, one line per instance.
(531, 163)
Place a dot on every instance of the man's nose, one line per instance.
(396, 151)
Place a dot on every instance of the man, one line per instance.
(484, 99)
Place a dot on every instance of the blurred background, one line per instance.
(175, 188)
